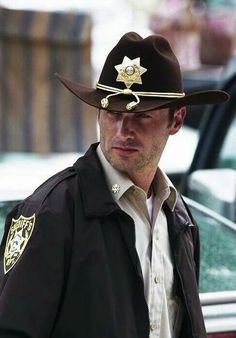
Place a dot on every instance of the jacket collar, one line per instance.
(178, 220)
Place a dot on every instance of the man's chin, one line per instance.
(125, 164)
(121, 165)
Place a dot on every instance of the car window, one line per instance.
(218, 249)
(227, 155)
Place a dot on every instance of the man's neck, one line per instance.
(143, 180)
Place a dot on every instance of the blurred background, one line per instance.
(44, 128)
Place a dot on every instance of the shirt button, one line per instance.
(157, 280)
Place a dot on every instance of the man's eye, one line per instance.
(112, 113)
(143, 115)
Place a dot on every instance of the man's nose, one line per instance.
(125, 126)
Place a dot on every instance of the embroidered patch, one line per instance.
(19, 234)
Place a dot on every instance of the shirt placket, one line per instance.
(156, 287)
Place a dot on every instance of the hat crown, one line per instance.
(163, 71)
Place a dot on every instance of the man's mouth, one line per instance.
(127, 150)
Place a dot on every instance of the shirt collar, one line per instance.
(162, 182)
(119, 183)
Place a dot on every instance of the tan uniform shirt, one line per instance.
(152, 243)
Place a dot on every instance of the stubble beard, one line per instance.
(143, 163)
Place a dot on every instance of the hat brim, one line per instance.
(118, 103)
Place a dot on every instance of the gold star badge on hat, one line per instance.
(130, 71)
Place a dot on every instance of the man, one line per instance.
(107, 248)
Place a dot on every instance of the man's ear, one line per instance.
(178, 120)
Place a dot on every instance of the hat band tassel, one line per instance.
(131, 105)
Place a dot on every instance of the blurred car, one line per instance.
(205, 78)
(211, 178)
(211, 181)
(217, 270)
(207, 123)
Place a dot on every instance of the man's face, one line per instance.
(133, 142)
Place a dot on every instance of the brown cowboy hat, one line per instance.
(140, 75)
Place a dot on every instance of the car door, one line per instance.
(217, 284)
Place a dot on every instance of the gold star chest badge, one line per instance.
(130, 71)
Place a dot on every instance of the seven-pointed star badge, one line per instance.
(130, 71)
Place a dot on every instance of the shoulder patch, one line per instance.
(18, 236)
